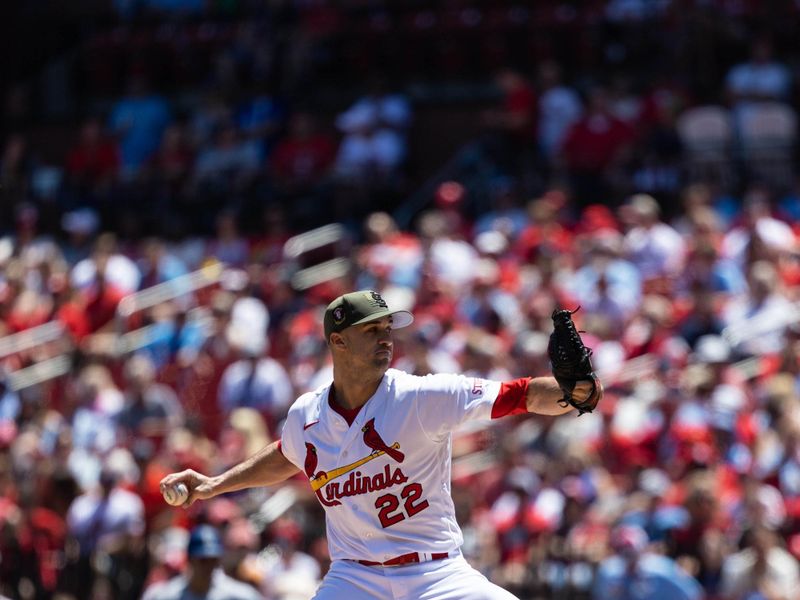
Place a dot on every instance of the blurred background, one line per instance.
(185, 184)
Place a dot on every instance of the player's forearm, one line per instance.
(543, 397)
(268, 466)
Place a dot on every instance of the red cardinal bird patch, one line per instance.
(374, 441)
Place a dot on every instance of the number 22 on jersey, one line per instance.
(388, 505)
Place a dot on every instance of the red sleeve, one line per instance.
(280, 447)
(512, 399)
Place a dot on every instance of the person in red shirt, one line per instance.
(303, 158)
(594, 147)
(102, 298)
(511, 126)
(516, 116)
(68, 306)
(94, 160)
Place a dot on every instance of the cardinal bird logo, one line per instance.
(310, 466)
(373, 439)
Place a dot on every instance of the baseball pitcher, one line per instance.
(375, 445)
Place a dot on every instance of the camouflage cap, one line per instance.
(361, 307)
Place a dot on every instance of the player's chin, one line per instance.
(383, 358)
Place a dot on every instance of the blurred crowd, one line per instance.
(146, 168)
(691, 461)
(201, 150)
(175, 112)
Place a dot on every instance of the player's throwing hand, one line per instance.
(198, 485)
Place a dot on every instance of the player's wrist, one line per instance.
(214, 486)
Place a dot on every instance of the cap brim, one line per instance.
(400, 318)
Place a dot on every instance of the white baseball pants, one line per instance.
(447, 579)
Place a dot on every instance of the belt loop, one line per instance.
(424, 556)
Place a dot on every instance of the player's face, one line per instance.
(371, 343)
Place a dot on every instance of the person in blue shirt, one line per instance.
(138, 120)
(204, 579)
(633, 573)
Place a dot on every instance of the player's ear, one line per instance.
(337, 341)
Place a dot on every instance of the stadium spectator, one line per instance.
(763, 302)
(94, 161)
(151, 409)
(759, 79)
(288, 572)
(594, 149)
(607, 284)
(375, 127)
(301, 160)
(559, 108)
(761, 569)
(203, 577)
(169, 166)
(654, 247)
(639, 574)
(392, 108)
(228, 245)
(106, 521)
(369, 153)
(230, 162)
(511, 125)
(758, 235)
(106, 268)
(505, 212)
(255, 380)
(138, 120)
(158, 264)
(80, 226)
(260, 120)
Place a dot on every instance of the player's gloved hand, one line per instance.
(587, 391)
(571, 364)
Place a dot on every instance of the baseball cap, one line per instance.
(361, 307)
(204, 542)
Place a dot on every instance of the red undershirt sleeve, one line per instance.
(512, 398)
(280, 447)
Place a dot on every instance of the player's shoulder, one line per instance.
(402, 381)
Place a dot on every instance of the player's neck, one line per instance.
(352, 389)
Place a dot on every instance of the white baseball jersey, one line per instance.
(384, 481)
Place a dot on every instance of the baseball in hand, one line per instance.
(176, 495)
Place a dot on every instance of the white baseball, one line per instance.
(176, 495)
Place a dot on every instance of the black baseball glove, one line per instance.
(570, 361)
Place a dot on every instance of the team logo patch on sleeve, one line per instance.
(477, 387)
